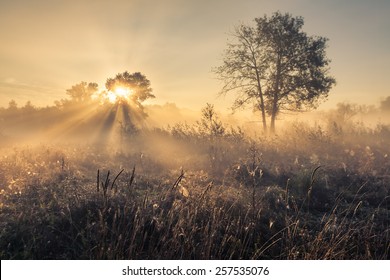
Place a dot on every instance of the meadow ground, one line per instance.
(310, 192)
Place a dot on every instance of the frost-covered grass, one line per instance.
(308, 193)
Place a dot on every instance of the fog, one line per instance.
(105, 172)
(178, 137)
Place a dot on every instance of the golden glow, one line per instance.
(118, 94)
(122, 92)
(111, 96)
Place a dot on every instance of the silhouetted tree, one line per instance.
(12, 105)
(137, 83)
(130, 90)
(27, 112)
(275, 66)
(28, 108)
(82, 92)
(243, 70)
(385, 104)
(210, 123)
(212, 128)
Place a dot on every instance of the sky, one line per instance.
(46, 46)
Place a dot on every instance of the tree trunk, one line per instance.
(272, 127)
(263, 114)
(261, 101)
(273, 114)
(275, 98)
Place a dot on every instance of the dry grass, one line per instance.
(236, 199)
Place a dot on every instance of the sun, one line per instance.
(119, 93)
(122, 92)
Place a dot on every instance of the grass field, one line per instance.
(310, 192)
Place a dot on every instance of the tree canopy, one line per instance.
(385, 104)
(82, 92)
(137, 83)
(275, 66)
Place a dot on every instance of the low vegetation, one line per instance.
(203, 191)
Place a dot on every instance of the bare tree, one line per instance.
(210, 124)
(243, 70)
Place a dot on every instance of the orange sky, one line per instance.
(47, 45)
